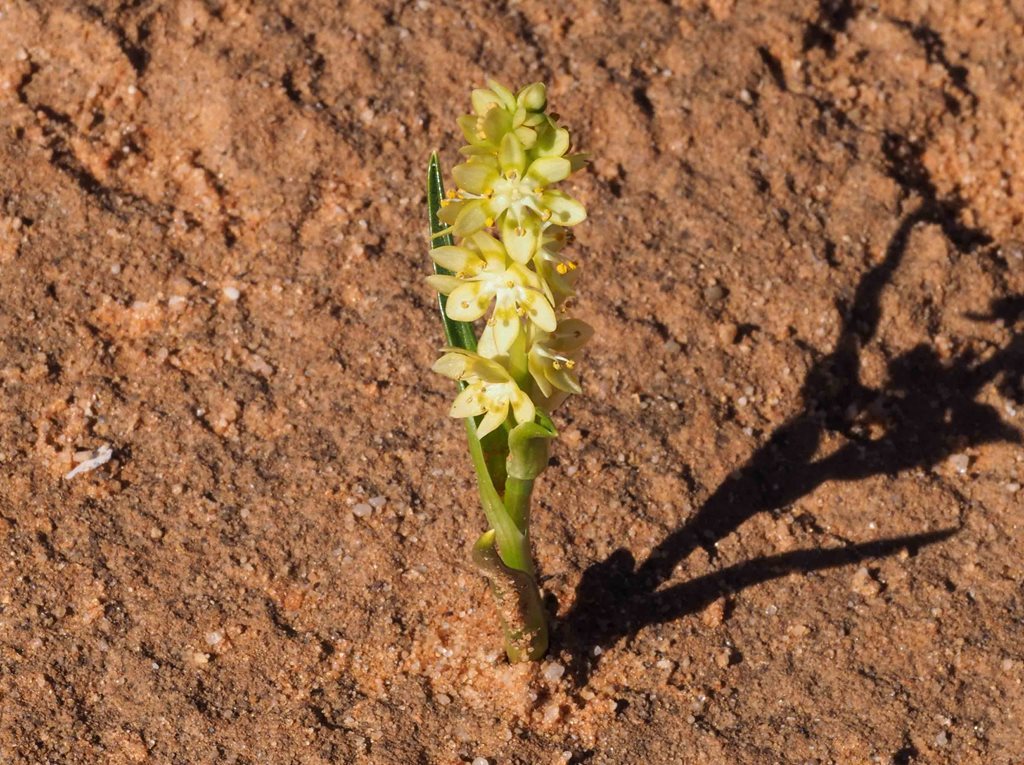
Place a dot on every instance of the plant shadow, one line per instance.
(929, 410)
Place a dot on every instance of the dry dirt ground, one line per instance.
(782, 526)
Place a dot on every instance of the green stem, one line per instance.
(517, 502)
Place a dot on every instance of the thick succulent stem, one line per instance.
(517, 596)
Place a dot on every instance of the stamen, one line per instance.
(546, 216)
(489, 222)
(555, 365)
(464, 304)
(450, 193)
(570, 363)
(572, 266)
(562, 268)
(510, 284)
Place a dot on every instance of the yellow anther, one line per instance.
(562, 268)
(464, 304)
(481, 134)
(520, 310)
(445, 202)
(460, 275)
(520, 231)
(510, 284)
(572, 266)
(546, 215)
(570, 363)
(555, 365)
(489, 222)
(450, 193)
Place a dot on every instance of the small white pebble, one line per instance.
(232, 293)
(771, 610)
(551, 713)
(443, 699)
(597, 650)
(663, 664)
(960, 463)
(1013, 487)
(115, 268)
(378, 502)
(941, 739)
(553, 671)
(571, 470)
(213, 638)
(481, 761)
(361, 510)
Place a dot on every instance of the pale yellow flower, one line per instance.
(484, 274)
(551, 357)
(490, 390)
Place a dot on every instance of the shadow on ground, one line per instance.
(927, 406)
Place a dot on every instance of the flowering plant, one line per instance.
(499, 239)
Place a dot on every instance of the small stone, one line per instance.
(443, 699)
(553, 672)
(200, 659)
(942, 738)
(771, 610)
(1007, 665)
(714, 614)
(863, 584)
(155, 533)
(727, 333)
(671, 346)
(597, 650)
(960, 463)
(378, 502)
(214, 638)
(1013, 487)
(723, 658)
(664, 664)
(362, 510)
(551, 714)
(232, 293)
(715, 293)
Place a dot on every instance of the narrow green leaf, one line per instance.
(458, 334)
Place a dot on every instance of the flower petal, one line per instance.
(548, 170)
(521, 237)
(468, 403)
(468, 302)
(552, 142)
(508, 98)
(452, 365)
(475, 177)
(443, 283)
(497, 122)
(522, 407)
(512, 156)
(483, 100)
(455, 259)
(506, 324)
(492, 420)
(471, 218)
(539, 310)
(571, 335)
(565, 211)
(537, 371)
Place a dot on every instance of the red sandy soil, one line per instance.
(782, 526)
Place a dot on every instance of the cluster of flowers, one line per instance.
(526, 355)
